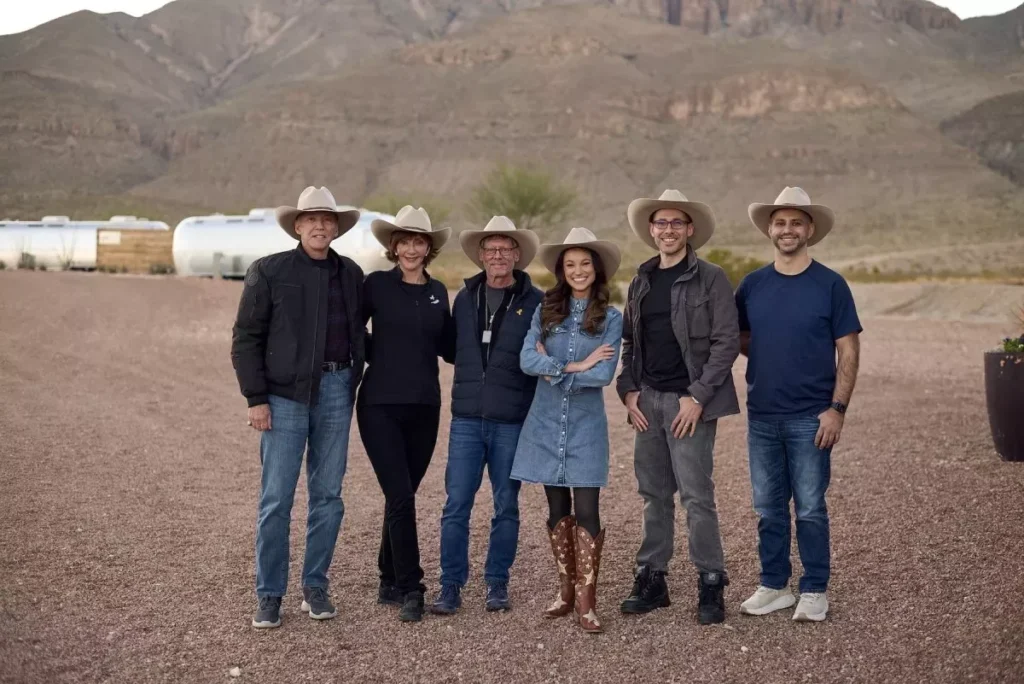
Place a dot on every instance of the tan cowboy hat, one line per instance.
(640, 210)
(500, 225)
(609, 252)
(315, 199)
(410, 220)
(794, 198)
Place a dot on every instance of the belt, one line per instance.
(332, 366)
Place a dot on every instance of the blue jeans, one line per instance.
(325, 427)
(473, 443)
(784, 465)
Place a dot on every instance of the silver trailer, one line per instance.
(225, 246)
(56, 242)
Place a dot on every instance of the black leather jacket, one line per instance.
(281, 328)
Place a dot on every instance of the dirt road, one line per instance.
(128, 498)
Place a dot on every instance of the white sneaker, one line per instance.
(767, 600)
(812, 608)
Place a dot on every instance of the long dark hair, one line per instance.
(555, 307)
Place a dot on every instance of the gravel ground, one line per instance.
(129, 495)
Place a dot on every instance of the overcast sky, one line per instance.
(21, 15)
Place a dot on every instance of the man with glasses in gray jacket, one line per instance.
(680, 339)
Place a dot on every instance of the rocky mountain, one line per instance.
(239, 102)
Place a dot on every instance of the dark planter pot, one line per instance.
(1004, 393)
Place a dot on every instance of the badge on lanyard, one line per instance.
(486, 339)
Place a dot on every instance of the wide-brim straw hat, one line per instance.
(611, 255)
(409, 220)
(315, 199)
(703, 218)
(794, 198)
(500, 225)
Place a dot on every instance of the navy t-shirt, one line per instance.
(794, 322)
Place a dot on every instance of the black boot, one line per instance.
(388, 594)
(711, 597)
(650, 591)
(412, 607)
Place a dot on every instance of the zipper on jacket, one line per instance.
(312, 363)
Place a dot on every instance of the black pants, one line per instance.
(399, 439)
(562, 501)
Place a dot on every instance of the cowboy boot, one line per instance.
(563, 538)
(588, 564)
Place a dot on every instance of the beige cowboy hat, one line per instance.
(609, 252)
(315, 199)
(794, 198)
(640, 210)
(410, 220)
(500, 225)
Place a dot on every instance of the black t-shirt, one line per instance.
(664, 368)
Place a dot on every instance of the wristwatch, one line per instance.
(839, 406)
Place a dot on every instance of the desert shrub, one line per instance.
(27, 261)
(3, 266)
(532, 198)
(389, 203)
(735, 266)
(161, 269)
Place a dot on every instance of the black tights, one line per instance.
(562, 500)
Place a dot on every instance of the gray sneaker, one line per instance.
(268, 614)
(316, 603)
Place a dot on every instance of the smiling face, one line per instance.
(499, 255)
(670, 229)
(410, 249)
(579, 271)
(789, 230)
(316, 230)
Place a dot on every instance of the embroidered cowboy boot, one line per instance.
(563, 538)
(588, 564)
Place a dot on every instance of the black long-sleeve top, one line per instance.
(411, 327)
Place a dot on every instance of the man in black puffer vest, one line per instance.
(490, 399)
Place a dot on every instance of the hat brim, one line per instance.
(383, 230)
(286, 219)
(639, 215)
(527, 240)
(823, 217)
(611, 255)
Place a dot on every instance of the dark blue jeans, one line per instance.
(784, 465)
(293, 426)
(472, 444)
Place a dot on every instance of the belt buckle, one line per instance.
(329, 366)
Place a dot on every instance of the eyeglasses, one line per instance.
(662, 224)
(495, 251)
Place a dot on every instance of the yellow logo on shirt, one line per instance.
(519, 312)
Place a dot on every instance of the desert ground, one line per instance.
(128, 499)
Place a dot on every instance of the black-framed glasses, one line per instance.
(495, 251)
(662, 224)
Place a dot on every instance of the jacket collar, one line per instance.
(647, 268)
(396, 274)
(332, 258)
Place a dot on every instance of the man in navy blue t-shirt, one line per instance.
(796, 316)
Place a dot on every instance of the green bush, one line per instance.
(735, 266)
(161, 269)
(389, 203)
(531, 198)
(3, 266)
(27, 261)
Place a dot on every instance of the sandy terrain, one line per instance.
(128, 499)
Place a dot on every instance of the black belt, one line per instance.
(332, 366)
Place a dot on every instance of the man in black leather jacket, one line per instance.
(298, 351)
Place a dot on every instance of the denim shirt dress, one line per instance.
(564, 441)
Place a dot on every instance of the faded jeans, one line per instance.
(784, 465)
(665, 465)
(325, 429)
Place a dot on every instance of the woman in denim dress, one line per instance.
(573, 346)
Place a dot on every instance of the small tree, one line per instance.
(531, 198)
(27, 261)
(735, 266)
(390, 202)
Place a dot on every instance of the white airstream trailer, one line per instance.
(225, 246)
(56, 242)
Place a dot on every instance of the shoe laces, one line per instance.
(318, 594)
(268, 602)
(811, 596)
(648, 582)
(449, 593)
(499, 588)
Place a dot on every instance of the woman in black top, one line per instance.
(399, 403)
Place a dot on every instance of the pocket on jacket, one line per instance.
(280, 364)
(698, 317)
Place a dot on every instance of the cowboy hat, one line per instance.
(640, 211)
(609, 252)
(315, 199)
(794, 198)
(410, 220)
(500, 225)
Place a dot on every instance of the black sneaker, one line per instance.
(711, 597)
(448, 601)
(650, 591)
(497, 596)
(412, 607)
(316, 603)
(389, 595)
(268, 614)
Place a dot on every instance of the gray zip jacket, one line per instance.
(706, 326)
